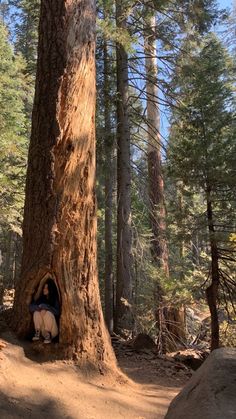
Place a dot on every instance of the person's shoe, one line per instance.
(36, 336)
(47, 338)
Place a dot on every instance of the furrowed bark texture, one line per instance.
(60, 209)
(123, 316)
(109, 182)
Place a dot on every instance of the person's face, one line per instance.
(45, 289)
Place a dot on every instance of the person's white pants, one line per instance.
(45, 323)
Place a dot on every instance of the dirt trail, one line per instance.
(56, 390)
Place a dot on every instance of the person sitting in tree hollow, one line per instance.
(46, 310)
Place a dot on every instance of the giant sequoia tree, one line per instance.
(60, 211)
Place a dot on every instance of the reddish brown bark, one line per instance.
(176, 330)
(59, 230)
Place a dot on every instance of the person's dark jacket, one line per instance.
(43, 304)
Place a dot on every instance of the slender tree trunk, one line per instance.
(180, 201)
(8, 259)
(195, 250)
(156, 184)
(212, 290)
(123, 314)
(2, 288)
(2, 237)
(59, 229)
(17, 260)
(109, 181)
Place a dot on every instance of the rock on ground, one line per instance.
(211, 392)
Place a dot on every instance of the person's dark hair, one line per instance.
(52, 291)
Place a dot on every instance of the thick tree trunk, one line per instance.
(156, 184)
(59, 229)
(109, 181)
(212, 290)
(123, 314)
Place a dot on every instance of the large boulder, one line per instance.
(211, 392)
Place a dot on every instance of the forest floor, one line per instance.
(30, 388)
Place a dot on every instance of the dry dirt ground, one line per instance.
(30, 388)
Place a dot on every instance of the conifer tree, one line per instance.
(59, 229)
(26, 15)
(123, 314)
(13, 154)
(202, 143)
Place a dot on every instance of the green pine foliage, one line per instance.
(203, 85)
(201, 153)
(26, 17)
(202, 139)
(13, 140)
